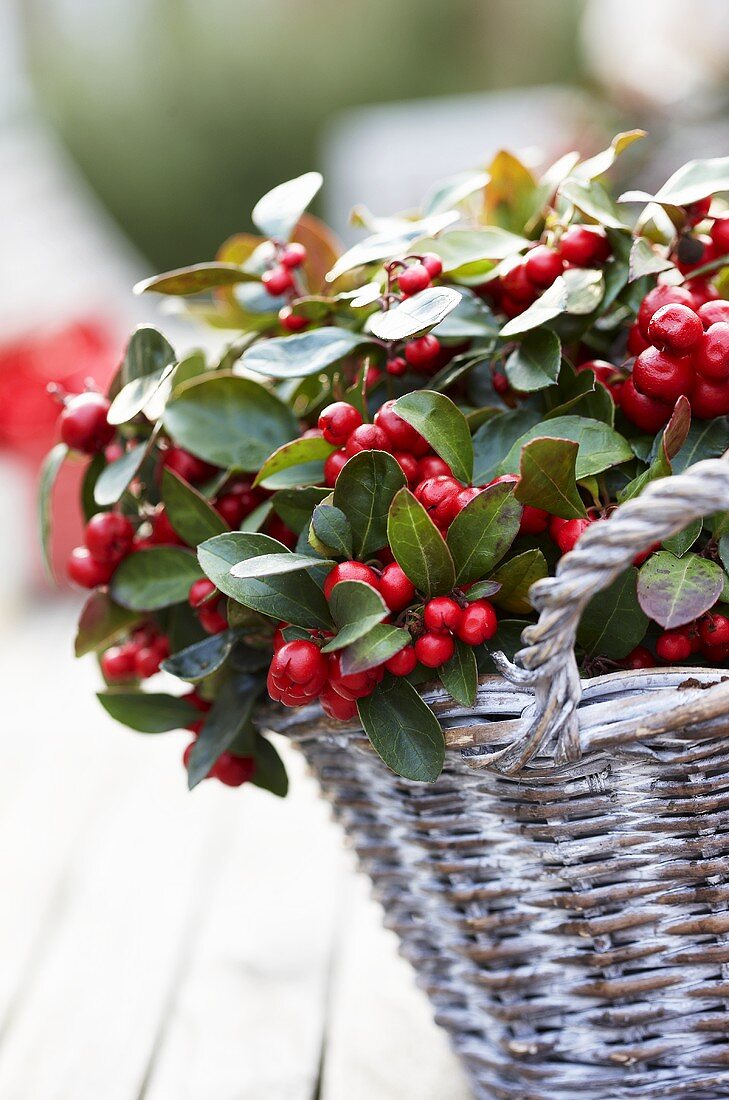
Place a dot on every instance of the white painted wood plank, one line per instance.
(381, 1040)
(248, 1022)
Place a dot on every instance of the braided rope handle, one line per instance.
(548, 660)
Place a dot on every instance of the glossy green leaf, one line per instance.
(548, 306)
(592, 199)
(695, 180)
(154, 578)
(147, 353)
(115, 478)
(547, 477)
(705, 439)
(645, 259)
(450, 192)
(364, 491)
(199, 660)
(275, 565)
(194, 279)
(535, 363)
(613, 623)
(101, 623)
(296, 455)
(471, 319)
(509, 194)
(295, 598)
(599, 164)
(515, 577)
(231, 422)
(483, 590)
(458, 248)
(356, 608)
(188, 511)
(49, 472)
(389, 243)
(403, 730)
(226, 727)
(483, 531)
(136, 395)
(674, 591)
(600, 446)
(303, 354)
(495, 438)
(333, 531)
(278, 213)
(418, 546)
(443, 425)
(459, 675)
(294, 506)
(682, 542)
(415, 315)
(148, 712)
(373, 648)
(270, 773)
(585, 290)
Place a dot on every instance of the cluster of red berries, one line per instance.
(708, 635)
(206, 601)
(681, 348)
(229, 769)
(280, 279)
(526, 280)
(136, 659)
(413, 274)
(108, 539)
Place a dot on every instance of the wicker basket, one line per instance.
(562, 889)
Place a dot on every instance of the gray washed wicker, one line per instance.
(562, 889)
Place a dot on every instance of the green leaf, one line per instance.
(403, 730)
(495, 438)
(147, 353)
(483, 590)
(682, 542)
(516, 577)
(114, 479)
(364, 491)
(613, 623)
(694, 181)
(443, 425)
(603, 161)
(418, 546)
(92, 472)
(270, 773)
(303, 354)
(416, 315)
(374, 648)
(229, 421)
(155, 578)
(585, 290)
(102, 621)
(645, 260)
(299, 454)
(510, 192)
(535, 363)
(275, 565)
(548, 306)
(278, 213)
(483, 531)
(600, 446)
(294, 506)
(194, 279)
(136, 395)
(390, 242)
(547, 477)
(592, 199)
(294, 598)
(356, 608)
(199, 660)
(672, 439)
(188, 511)
(333, 531)
(674, 591)
(49, 472)
(147, 712)
(460, 248)
(459, 676)
(450, 192)
(470, 320)
(226, 724)
(705, 439)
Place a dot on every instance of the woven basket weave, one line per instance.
(562, 890)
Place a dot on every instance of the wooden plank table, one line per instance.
(160, 945)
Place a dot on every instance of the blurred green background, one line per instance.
(181, 113)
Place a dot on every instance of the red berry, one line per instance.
(675, 328)
(720, 235)
(442, 615)
(643, 555)
(662, 375)
(709, 399)
(465, 496)
(433, 466)
(367, 437)
(401, 434)
(604, 372)
(232, 770)
(500, 383)
(83, 423)
(414, 278)
(566, 533)
(711, 312)
(277, 529)
(397, 366)
(350, 571)
(517, 283)
(717, 654)
(293, 255)
(357, 684)
(478, 623)
(163, 533)
(278, 280)
(420, 353)
(438, 497)
(188, 466)
(584, 245)
(338, 421)
(714, 630)
(336, 706)
(86, 571)
(201, 591)
(161, 646)
(636, 342)
(403, 663)
(231, 508)
(333, 466)
(657, 297)
(211, 620)
(712, 356)
(298, 672)
(543, 265)
(147, 662)
(697, 211)
(292, 322)
(646, 413)
(432, 264)
(640, 657)
(396, 589)
(108, 537)
(434, 650)
(533, 520)
(409, 465)
(674, 645)
(118, 664)
(188, 749)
